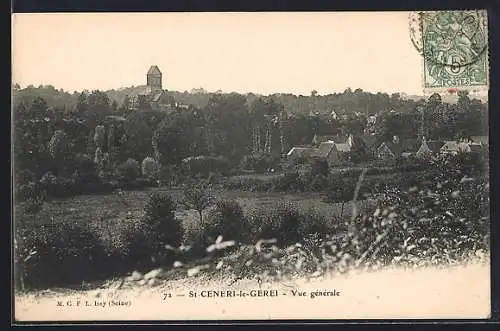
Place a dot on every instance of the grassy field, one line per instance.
(104, 211)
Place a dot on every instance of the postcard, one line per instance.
(250, 166)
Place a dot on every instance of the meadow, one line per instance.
(108, 211)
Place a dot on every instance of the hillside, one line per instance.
(348, 102)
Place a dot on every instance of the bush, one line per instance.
(140, 243)
(58, 187)
(150, 168)
(286, 224)
(95, 187)
(85, 169)
(29, 191)
(290, 182)
(250, 183)
(161, 220)
(129, 170)
(204, 165)
(225, 219)
(57, 254)
(319, 167)
(442, 219)
(260, 163)
(137, 184)
(170, 175)
(135, 246)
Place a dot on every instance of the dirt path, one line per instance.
(453, 292)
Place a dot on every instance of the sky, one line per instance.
(262, 53)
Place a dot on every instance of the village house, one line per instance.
(300, 153)
(479, 140)
(327, 151)
(334, 115)
(346, 145)
(318, 139)
(452, 147)
(455, 147)
(429, 148)
(396, 148)
(153, 95)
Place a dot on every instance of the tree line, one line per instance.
(97, 134)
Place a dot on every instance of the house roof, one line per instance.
(157, 96)
(396, 149)
(301, 151)
(435, 145)
(154, 70)
(324, 138)
(324, 149)
(451, 146)
(480, 139)
(144, 91)
(370, 141)
(116, 118)
(343, 147)
(475, 147)
(404, 145)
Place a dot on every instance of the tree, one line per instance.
(160, 217)
(138, 131)
(149, 168)
(170, 145)
(340, 191)
(434, 100)
(463, 100)
(129, 170)
(198, 197)
(59, 148)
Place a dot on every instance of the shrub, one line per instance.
(95, 187)
(250, 183)
(260, 163)
(319, 167)
(150, 168)
(160, 218)
(290, 182)
(29, 191)
(315, 183)
(129, 170)
(135, 245)
(443, 219)
(204, 165)
(227, 219)
(286, 223)
(85, 168)
(56, 254)
(141, 243)
(32, 206)
(170, 175)
(58, 187)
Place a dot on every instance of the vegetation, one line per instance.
(87, 143)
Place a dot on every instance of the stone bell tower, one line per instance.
(153, 78)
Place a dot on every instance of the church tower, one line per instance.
(153, 78)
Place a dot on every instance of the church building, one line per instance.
(153, 96)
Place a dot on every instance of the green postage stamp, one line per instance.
(454, 47)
